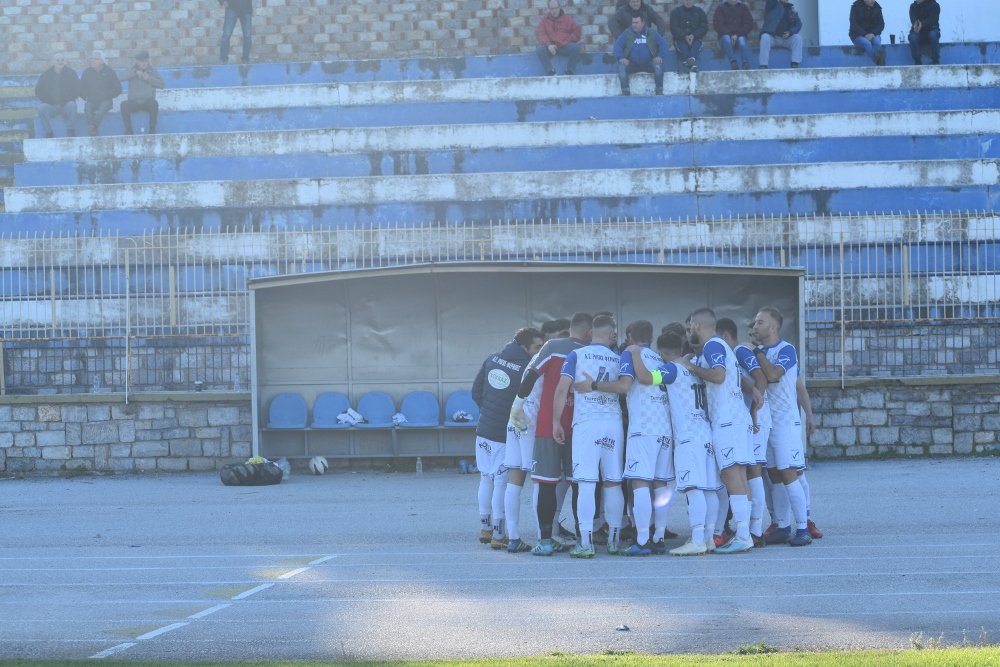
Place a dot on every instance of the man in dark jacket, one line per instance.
(494, 390)
(99, 86)
(734, 23)
(622, 18)
(640, 49)
(558, 35)
(781, 28)
(57, 90)
(925, 30)
(236, 9)
(688, 25)
(867, 25)
(143, 83)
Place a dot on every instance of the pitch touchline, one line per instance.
(203, 613)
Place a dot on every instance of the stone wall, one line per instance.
(186, 32)
(204, 431)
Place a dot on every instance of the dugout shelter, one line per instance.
(428, 328)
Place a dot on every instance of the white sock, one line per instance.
(711, 513)
(782, 511)
(720, 518)
(613, 499)
(485, 501)
(797, 499)
(586, 506)
(697, 510)
(756, 505)
(741, 515)
(663, 497)
(499, 490)
(534, 510)
(642, 508)
(512, 509)
(805, 489)
(561, 488)
(768, 497)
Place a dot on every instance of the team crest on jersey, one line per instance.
(718, 359)
(485, 446)
(606, 443)
(783, 359)
(498, 379)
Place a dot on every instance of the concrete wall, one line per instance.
(185, 432)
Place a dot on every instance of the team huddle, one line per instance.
(629, 427)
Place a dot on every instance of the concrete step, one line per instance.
(571, 184)
(514, 147)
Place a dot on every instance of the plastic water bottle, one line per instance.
(286, 467)
(420, 467)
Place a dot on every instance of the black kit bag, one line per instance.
(250, 474)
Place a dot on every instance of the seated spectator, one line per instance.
(622, 19)
(57, 90)
(99, 86)
(781, 28)
(734, 23)
(638, 49)
(688, 25)
(925, 30)
(867, 25)
(143, 82)
(558, 35)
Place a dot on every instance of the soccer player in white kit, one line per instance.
(779, 362)
(696, 471)
(761, 414)
(597, 440)
(649, 455)
(715, 363)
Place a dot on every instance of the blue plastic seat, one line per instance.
(377, 407)
(287, 410)
(421, 409)
(327, 407)
(460, 400)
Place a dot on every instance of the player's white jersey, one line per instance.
(781, 394)
(647, 404)
(602, 364)
(686, 397)
(748, 363)
(725, 400)
(534, 399)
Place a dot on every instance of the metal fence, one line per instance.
(908, 294)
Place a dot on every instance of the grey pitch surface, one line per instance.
(371, 565)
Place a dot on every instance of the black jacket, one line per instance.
(99, 86)
(58, 89)
(866, 20)
(623, 18)
(495, 388)
(686, 21)
(928, 13)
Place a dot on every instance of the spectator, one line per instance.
(622, 19)
(558, 35)
(99, 86)
(867, 25)
(143, 82)
(925, 30)
(734, 23)
(57, 90)
(236, 9)
(688, 25)
(638, 49)
(781, 28)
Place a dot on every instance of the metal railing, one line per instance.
(903, 294)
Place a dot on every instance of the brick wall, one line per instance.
(186, 32)
(192, 432)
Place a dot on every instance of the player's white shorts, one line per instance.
(519, 453)
(489, 456)
(758, 441)
(695, 466)
(649, 457)
(784, 447)
(731, 444)
(597, 451)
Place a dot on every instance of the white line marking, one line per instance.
(292, 573)
(211, 610)
(161, 631)
(245, 594)
(111, 651)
